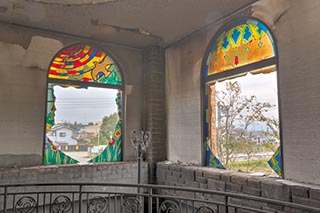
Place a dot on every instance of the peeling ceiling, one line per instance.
(71, 2)
(135, 23)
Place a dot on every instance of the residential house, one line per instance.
(62, 135)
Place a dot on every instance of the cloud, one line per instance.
(84, 105)
(263, 86)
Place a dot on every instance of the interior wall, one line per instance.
(183, 65)
(294, 26)
(24, 61)
(299, 55)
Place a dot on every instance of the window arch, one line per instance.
(240, 124)
(85, 81)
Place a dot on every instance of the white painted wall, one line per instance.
(183, 100)
(62, 135)
(298, 34)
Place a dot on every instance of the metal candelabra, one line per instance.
(140, 140)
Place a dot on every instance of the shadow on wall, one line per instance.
(39, 53)
(270, 11)
(17, 161)
(21, 145)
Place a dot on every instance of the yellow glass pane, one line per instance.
(243, 44)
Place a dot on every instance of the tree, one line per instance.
(235, 114)
(248, 148)
(75, 125)
(106, 130)
(108, 125)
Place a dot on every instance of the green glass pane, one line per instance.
(53, 156)
(113, 151)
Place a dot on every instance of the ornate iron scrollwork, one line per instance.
(61, 204)
(98, 204)
(131, 205)
(169, 206)
(25, 204)
(205, 209)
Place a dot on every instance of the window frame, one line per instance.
(121, 87)
(204, 80)
(62, 134)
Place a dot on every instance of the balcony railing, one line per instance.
(131, 198)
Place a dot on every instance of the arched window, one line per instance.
(84, 107)
(241, 120)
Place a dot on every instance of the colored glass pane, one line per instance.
(52, 155)
(55, 155)
(226, 139)
(245, 43)
(85, 63)
(113, 151)
(275, 162)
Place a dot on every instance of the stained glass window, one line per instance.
(92, 142)
(85, 63)
(241, 123)
(245, 43)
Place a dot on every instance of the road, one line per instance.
(254, 156)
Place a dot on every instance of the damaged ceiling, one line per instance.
(135, 23)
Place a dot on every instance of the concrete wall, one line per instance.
(120, 172)
(294, 26)
(226, 181)
(24, 61)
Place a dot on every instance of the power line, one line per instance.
(81, 98)
(88, 108)
(88, 103)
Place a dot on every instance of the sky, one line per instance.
(263, 86)
(84, 105)
(92, 104)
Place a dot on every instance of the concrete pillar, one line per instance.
(154, 106)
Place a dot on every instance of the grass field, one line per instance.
(253, 166)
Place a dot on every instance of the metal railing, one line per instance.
(115, 197)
